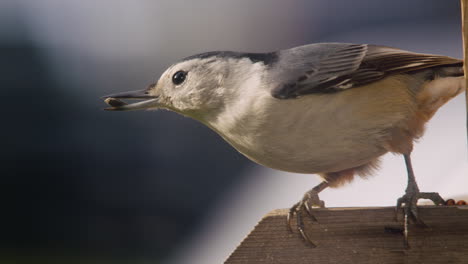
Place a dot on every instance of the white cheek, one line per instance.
(181, 98)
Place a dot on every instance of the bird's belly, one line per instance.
(319, 133)
(310, 142)
(301, 152)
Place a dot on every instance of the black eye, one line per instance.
(179, 77)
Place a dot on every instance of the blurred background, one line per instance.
(81, 185)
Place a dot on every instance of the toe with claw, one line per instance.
(310, 200)
(410, 208)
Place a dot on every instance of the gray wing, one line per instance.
(334, 67)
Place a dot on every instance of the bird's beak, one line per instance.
(113, 100)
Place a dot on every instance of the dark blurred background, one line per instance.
(81, 185)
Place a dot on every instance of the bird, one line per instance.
(331, 109)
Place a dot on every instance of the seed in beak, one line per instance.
(114, 102)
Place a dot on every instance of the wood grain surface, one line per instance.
(359, 235)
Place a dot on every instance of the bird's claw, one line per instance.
(410, 209)
(310, 200)
(410, 200)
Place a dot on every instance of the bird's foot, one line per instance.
(310, 200)
(410, 208)
(410, 200)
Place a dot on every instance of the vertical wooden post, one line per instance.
(464, 14)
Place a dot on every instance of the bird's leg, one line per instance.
(310, 199)
(411, 197)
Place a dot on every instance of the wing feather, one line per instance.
(343, 66)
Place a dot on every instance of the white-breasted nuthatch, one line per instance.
(330, 108)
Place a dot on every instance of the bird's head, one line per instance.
(194, 86)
